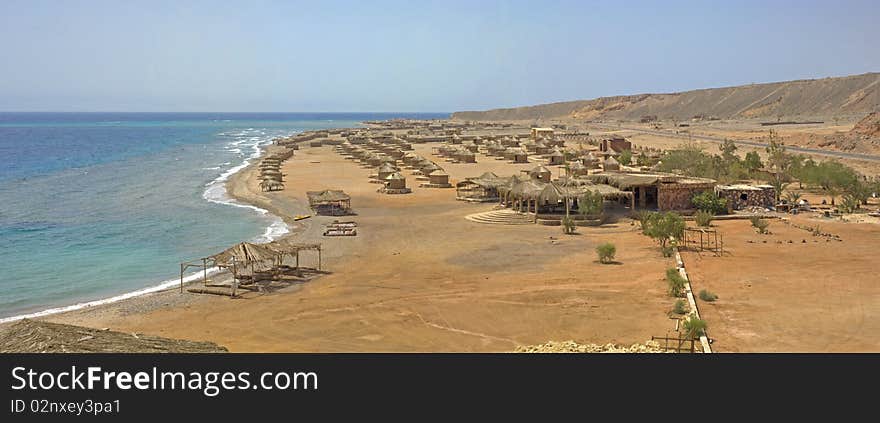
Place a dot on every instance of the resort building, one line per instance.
(610, 164)
(744, 196)
(537, 133)
(541, 173)
(556, 157)
(659, 191)
(614, 145)
(395, 183)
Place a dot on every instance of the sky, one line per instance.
(411, 56)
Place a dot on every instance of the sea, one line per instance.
(98, 207)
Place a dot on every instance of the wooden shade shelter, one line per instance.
(246, 260)
(330, 202)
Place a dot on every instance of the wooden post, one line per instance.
(181, 278)
(319, 258)
(234, 276)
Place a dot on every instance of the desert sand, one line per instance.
(420, 277)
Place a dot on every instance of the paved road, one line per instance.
(719, 140)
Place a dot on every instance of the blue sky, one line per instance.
(410, 55)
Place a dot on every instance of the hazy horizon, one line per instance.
(393, 56)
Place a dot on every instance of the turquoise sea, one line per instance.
(101, 205)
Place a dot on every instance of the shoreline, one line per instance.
(235, 184)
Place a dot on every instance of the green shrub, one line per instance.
(759, 224)
(606, 252)
(591, 203)
(663, 226)
(680, 307)
(707, 296)
(568, 226)
(643, 216)
(675, 281)
(707, 201)
(704, 218)
(848, 204)
(625, 157)
(694, 327)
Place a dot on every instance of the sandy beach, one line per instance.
(418, 277)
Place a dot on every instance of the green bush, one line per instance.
(680, 307)
(663, 226)
(707, 296)
(759, 224)
(568, 226)
(643, 216)
(675, 281)
(694, 327)
(591, 203)
(704, 218)
(848, 204)
(606, 252)
(707, 201)
(625, 157)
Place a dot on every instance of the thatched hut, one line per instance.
(437, 179)
(590, 161)
(520, 156)
(556, 157)
(395, 183)
(577, 169)
(610, 164)
(466, 156)
(386, 169)
(541, 173)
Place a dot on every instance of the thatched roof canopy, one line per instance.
(245, 252)
(526, 189)
(387, 167)
(394, 176)
(538, 170)
(327, 196)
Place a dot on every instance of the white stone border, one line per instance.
(679, 264)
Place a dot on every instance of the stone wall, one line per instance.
(741, 199)
(678, 196)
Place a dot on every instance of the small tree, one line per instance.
(759, 224)
(663, 226)
(752, 162)
(625, 157)
(644, 217)
(568, 226)
(703, 218)
(606, 252)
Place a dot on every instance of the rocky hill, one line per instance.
(827, 97)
